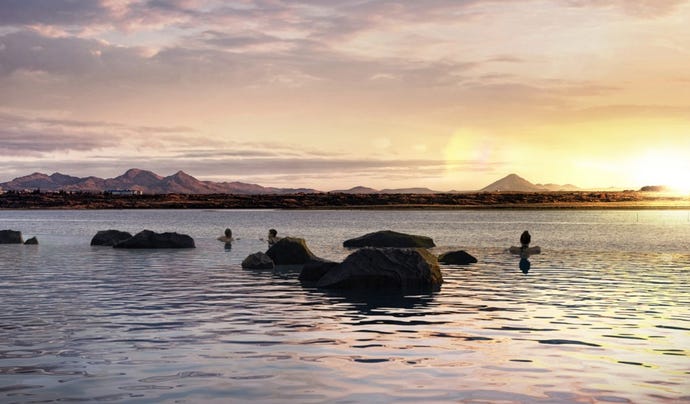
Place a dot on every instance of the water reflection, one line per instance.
(88, 324)
(368, 301)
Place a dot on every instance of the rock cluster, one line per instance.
(15, 237)
(141, 240)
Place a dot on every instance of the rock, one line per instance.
(11, 237)
(110, 237)
(456, 258)
(258, 260)
(316, 269)
(388, 238)
(149, 239)
(31, 241)
(290, 251)
(406, 269)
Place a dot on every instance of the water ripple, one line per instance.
(85, 324)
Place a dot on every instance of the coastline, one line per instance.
(623, 200)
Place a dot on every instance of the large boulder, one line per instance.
(11, 237)
(290, 251)
(258, 260)
(388, 238)
(456, 258)
(394, 268)
(110, 237)
(316, 269)
(149, 239)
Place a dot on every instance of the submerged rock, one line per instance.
(110, 237)
(381, 268)
(258, 260)
(11, 237)
(150, 239)
(316, 269)
(456, 258)
(388, 238)
(31, 241)
(290, 251)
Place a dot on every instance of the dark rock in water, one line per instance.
(388, 238)
(31, 241)
(316, 269)
(110, 237)
(407, 269)
(456, 258)
(149, 239)
(258, 260)
(11, 237)
(290, 251)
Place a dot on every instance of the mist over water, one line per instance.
(602, 316)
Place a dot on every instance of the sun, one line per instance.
(668, 168)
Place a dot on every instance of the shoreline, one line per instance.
(622, 200)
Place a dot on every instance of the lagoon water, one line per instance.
(602, 316)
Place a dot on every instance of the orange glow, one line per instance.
(667, 168)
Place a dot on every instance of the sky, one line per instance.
(444, 94)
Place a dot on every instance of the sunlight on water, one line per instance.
(602, 316)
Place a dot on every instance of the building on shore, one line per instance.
(123, 192)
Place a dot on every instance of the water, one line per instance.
(601, 317)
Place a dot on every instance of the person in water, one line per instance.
(525, 239)
(272, 237)
(227, 238)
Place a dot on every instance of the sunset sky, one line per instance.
(445, 94)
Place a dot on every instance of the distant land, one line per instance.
(140, 189)
(147, 182)
(143, 181)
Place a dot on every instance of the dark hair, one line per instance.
(228, 233)
(272, 232)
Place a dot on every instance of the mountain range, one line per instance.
(141, 180)
(182, 183)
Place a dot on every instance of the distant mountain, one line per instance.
(558, 187)
(367, 190)
(655, 188)
(409, 191)
(141, 180)
(356, 190)
(512, 183)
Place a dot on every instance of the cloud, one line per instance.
(52, 12)
(638, 8)
(32, 136)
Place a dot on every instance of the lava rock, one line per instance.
(290, 251)
(456, 258)
(110, 237)
(385, 268)
(31, 241)
(150, 239)
(11, 237)
(388, 238)
(258, 260)
(316, 269)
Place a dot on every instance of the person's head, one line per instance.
(272, 233)
(228, 233)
